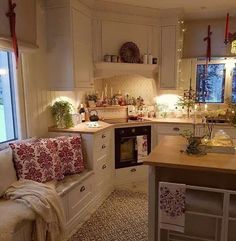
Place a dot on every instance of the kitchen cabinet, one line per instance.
(133, 178)
(96, 182)
(171, 50)
(104, 171)
(69, 28)
(163, 130)
(210, 203)
(168, 57)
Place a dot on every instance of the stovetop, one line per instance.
(123, 120)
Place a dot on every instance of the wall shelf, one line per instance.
(107, 69)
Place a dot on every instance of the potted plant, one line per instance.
(61, 112)
(92, 99)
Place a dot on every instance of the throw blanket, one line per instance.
(45, 202)
(172, 206)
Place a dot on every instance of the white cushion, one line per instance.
(7, 170)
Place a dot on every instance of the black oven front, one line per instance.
(132, 145)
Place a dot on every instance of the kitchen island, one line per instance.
(213, 172)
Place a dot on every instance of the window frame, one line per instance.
(17, 95)
(229, 63)
(223, 84)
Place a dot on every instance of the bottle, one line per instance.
(149, 59)
(145, 59)
(82, 113)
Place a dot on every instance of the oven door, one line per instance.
(126, 151)
(132, 145)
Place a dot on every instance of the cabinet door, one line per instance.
(168, 78)
(82, 49)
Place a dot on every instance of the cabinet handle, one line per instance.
(133, 170)
(103, 146)
(176, 129)
(103, 135)
(104, 166)
(82, 189)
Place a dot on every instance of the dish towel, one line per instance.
(171, 206)
(142, 147)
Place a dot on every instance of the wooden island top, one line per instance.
(168, 154)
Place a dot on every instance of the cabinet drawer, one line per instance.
(131, 174)
(102, 144)
(104, 136)
(172, 129)
(103, 173)
(103, 167)
(79, 197)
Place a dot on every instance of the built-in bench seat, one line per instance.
(19, 218)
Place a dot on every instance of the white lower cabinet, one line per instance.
(210, 216)
(134, 178)
(103, 175)
(78, 204)
(170, 130)
(103, 165)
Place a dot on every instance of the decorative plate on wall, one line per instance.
(130, 53)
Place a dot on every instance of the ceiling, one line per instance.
(194, 9)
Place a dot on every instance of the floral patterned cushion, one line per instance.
(70, 154)
(37, 160)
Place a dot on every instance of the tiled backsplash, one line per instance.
(134, 85)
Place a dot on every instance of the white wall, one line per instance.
(37, 96)
(194, 46)
(25, 20)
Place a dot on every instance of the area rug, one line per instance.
(122, 217)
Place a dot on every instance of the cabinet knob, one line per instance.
(103, 146)
(82, 189)
(176, 129)
(133, 170)
(103, 135)
(104, 166)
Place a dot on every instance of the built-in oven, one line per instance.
(132, 145)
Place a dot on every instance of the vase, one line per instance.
(61, 124)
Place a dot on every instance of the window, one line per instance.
(8, 127)
(210, 86)
(233, 99)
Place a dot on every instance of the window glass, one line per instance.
(234, 85)
(210, 85)
(8, 130)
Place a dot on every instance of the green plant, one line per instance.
(187, 100)
(92, 97)
(61, 112)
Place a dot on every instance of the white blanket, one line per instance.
(45, 202)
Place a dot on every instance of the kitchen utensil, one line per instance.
(93, 115)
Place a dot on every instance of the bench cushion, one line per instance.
(7, 170)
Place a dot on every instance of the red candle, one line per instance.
(227, 29)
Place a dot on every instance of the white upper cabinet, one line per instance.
(171, 53)
(69, 45)
(25, 21)
(168, 57)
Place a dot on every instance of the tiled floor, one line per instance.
(122, 217)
